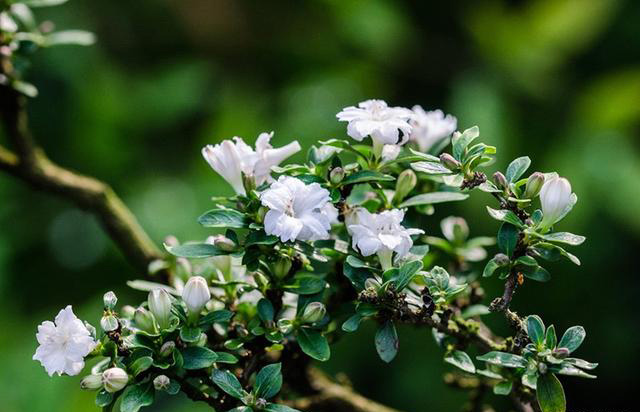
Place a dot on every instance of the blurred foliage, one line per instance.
(558, 80)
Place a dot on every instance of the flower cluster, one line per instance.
(268, 285)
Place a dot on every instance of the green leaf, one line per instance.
(265, 310)
(570, 370)
(137, 396)
(430, 168)
(224, 357)
(406, 274)
(432, 198)
(508, 238)
(550, 337)
(190, 333)
(537, 273)
(565, 237)
(259, 237)
(217, 316)
(344, 144)
(268, 381)
(517, 168)
(224, 218)
(526, 261)
(460, 141)
(306, 285)
(140, 365)
(195, 250)
(103, 398)
(198, 357)
(508, 360)
(228, 382)
(313, 344)
(550, 394)
(580, 363)
(503, 388)
(461, 360)
(505, 216)
(387, 341)
(367, 176)
(25, 88)
(70, 37)
(535, 329)
(352, 324)
(490, 268)
(572, 338)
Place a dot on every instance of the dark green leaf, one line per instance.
(198, 357)
(490, 268)
(564, 237)
(508, 238)
(224, 357)
(228, 382)
(259, 237)
(550, 337)
(432, 198)
(268, 381)
(265, 310)
(195, 250)
(137, 396)
(550, 394)
(313, 344)
(366, 176)
(224, 218)
(431, 168)
(460, 141)
(505, 216)
(461, 360)
(406, 274)
(517, 168)
(572, 338)
(140, 365)
(387, 341)
(535, 329)
(190, 333)
(505, 359)
(103, 398)
(306, 285)
(217, 316)
(537, 273)
(526, 261)
(352, 324)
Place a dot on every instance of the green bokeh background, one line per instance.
(556, 80)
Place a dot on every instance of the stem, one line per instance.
(385, 256)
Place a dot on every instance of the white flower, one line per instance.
(556, 200)
(230, 159)
(381, 233)
(390, 152)
(63, 345)
(196, 294)
(374, 118)
(430, 127)
(297, 211)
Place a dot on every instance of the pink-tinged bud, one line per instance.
(534, 184)
(449, 162)
(500, 180)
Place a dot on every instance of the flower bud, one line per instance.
(314, 312)
(534, 184)
(196, 294)
(555, 197)
(372, 283)
(171, 241)
(285, 326)
(161, 382)
(281, 267)
(336, 175)
(500, 180)
(449, 162)
(109, 323)
(455, 229)
(91, 382)
(561, 353)
(501, 259)
(127, 311)
(110, 300)
(144, 320)
(224, 243)
(114, 379)
(160, 305)
(404, 185)
(167, 348)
